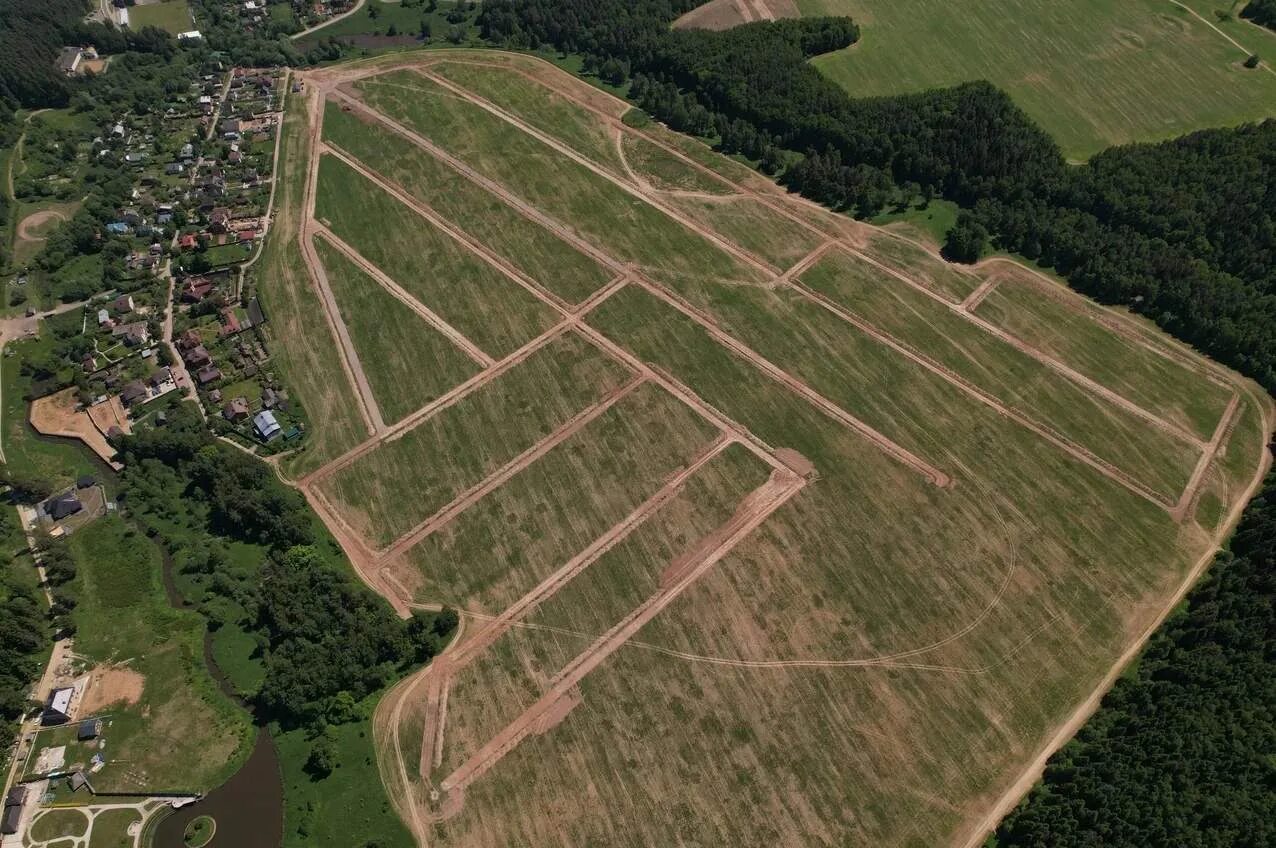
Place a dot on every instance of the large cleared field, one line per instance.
(1093, 74)
(766, 527)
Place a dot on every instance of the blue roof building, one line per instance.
(266, 425)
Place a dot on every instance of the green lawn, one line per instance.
(171, 15)
(110, 829)
(1094, 73)
(182, 735)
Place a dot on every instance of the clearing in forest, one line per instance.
(752, 513)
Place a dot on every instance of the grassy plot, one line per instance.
(748, 223)
(502, 682)
(180, 734)
(56, 824)
(408, 362)
(1152, 456)
(1070, 330)
(487, 307)
(523, 243)
(516, 536)
(110, 829)
(551, 113)
(914, 262)
(391, 489)
(665, 172)
(303, 347)
(1093, 74)
(629, 228)
(173, 16)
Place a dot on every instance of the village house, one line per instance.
(236, 410)
(266, 425)
(197, 357)
(208, 374)
(134, 393)
(134, 334)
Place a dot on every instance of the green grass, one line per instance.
(183, 735)
(408, 362)
(664, 171)
(59, 823)
(629, 228)
(748, 223)
(532, 249)
(302, 344)
(511, 540)
(487, 307)
(933, 221)
(391, 489)
(913, 260)
(110, 829)
(171, 15)
(1026, 310)
(1093, 74)
(349, 806)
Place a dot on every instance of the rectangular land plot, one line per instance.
(1158, 459)
(501, 547)
(388, 491)
(486, 306)
(748, 223)
(1070, 330)
(523, 243)
(548, 111)
(663, 171)
(503, 681)
(609, 217)
(408, 362)
(916, 263)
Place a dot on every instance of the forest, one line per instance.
(1261, 12)
(1182, 231)
(24, 632)
(1180, 752)
(324, 640)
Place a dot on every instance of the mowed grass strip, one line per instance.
(665, 172)
(302, 345)
(506, 679)
(604, 214)
(501, 547)
(1150, 455)
(543, 108)
(487, 307)
(748, 223)
(392, 489)
(408, 362)
(1072, 333)
(523, 243)
(1093, 73)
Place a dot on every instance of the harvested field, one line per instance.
(756, 516)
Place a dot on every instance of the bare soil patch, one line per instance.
(56, 415)
(110, 685)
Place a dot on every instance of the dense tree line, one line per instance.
(30, 36)
(1181, 231)
(1261, 12)
(1180, 752)
(326, 641)
(24, 633)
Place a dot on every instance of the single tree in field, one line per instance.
(967, 240)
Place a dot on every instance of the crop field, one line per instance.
(1092, 74)
(765, 519)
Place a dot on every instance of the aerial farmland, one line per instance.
(753, 514)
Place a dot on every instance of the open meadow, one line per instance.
(1092, 74)
(755, 516)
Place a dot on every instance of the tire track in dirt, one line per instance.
(1076, 451)
(425, 313)
(972, 301)
(1222, 433)
(478, 491)
(771, 203)
(753, 510)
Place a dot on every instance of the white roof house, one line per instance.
(266, 425)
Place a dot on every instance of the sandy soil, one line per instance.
(56, 415)
(110, 685)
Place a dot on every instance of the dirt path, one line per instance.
(1044, 431)
(972, 301)
(36, 219)
(368, 407)
(1230, 40)
(1221, 434)
(974, 835)
(756, 507)
(496, 479)
(425, 313)
(297, 36)
(771, 202)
